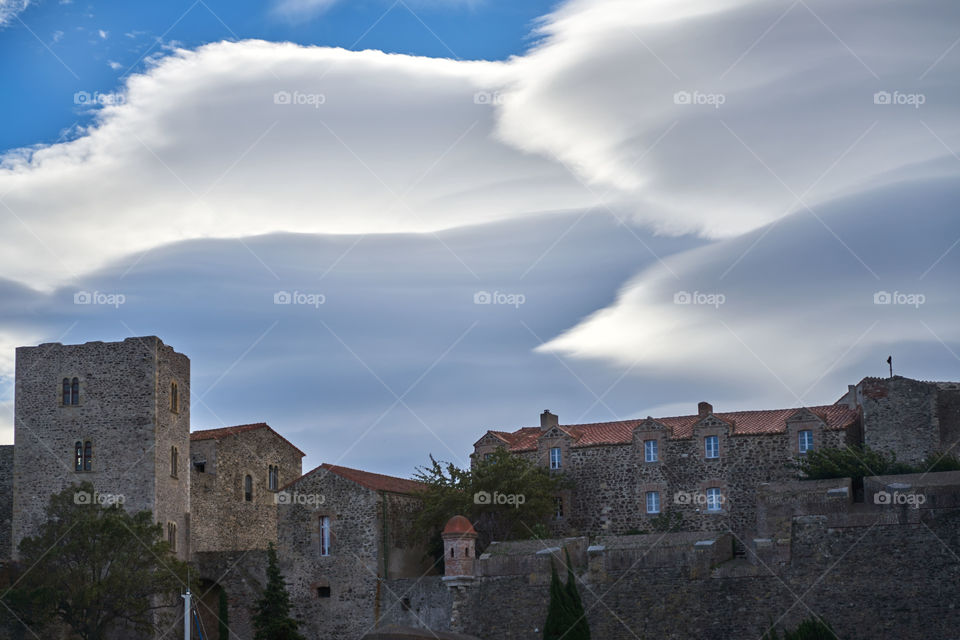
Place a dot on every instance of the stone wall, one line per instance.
(243, 575)
(871, 571)
(900, 416)
(223, 519)
(123, 410)
(6, 501)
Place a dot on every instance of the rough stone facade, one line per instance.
(220, 461)
(124, 410)
(910, 418)
(6, 501)
(339, 595)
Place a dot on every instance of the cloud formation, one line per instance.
(9, 9)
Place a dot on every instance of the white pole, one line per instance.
(186, 614)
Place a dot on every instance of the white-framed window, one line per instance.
(806, 440)
(711, 447)
(324, 535)
(650, 451)
(558, 508)
(653, 502)
(714, 500)
(555, 458)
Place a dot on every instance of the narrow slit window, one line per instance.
(248, 489)
(75, 391)
(325, 536)
(88, 456)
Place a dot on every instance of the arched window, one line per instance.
(78, 456)
(75, 391)
(273, 479)
(88, 456)
(248, 488)
(174, 397)
(66, 391)
(172, 535)
(174, 454)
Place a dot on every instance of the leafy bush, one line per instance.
(810, 629)
(850, 462)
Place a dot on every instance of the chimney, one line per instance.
(704, 409)
(548, 420)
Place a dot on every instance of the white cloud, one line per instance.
(115, 65)
(307, 9)
(10, 9)
(103, 34)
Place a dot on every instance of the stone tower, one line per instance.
(115, 414)
(459, 549)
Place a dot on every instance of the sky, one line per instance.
(384, 228)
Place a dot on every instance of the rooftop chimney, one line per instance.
(548, 420)
(704, 409)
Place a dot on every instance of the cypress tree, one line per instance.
(223, 627)
(579, 629)
(272, 619)
(554, 627)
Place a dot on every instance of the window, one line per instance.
(653, 502)
(200, 466)
(174, 454)
(712, 446)
(248, 488)
(325, 536)
(71, 392)
(714, 500)
(806, 440)
(273, 478)
(174, 397)
(555, 458)
(172, 535)
(487, 456)
(324, 592)
(83, 456)
(558, 508)
(649, 450)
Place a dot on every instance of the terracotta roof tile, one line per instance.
(374, 481)
(836, 416)
(216, 434)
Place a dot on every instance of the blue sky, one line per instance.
(736, 201)
(56, 49)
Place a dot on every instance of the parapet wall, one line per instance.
(6, 501)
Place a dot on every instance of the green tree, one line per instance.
(566, 618)
(271, 620)
(580, 629)
(812, 628)
(849, 462)
(506, 497)
(93, 567)
(223, 625)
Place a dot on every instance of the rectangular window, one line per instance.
(273, 479)
(172, 535)
(555, 458)
(324, 535)
(653, 502)
(323, 592)
(649, 450)
(557, 508)
(806, 441)
(714, 500)
(711, 445)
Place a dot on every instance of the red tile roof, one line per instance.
(216, 434)
(374, 481)
(836, 416)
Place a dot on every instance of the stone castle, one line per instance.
(752, 538)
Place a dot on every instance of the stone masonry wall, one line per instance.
(223, 519)
(121, 411)
(900, 416)
(6, 501)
